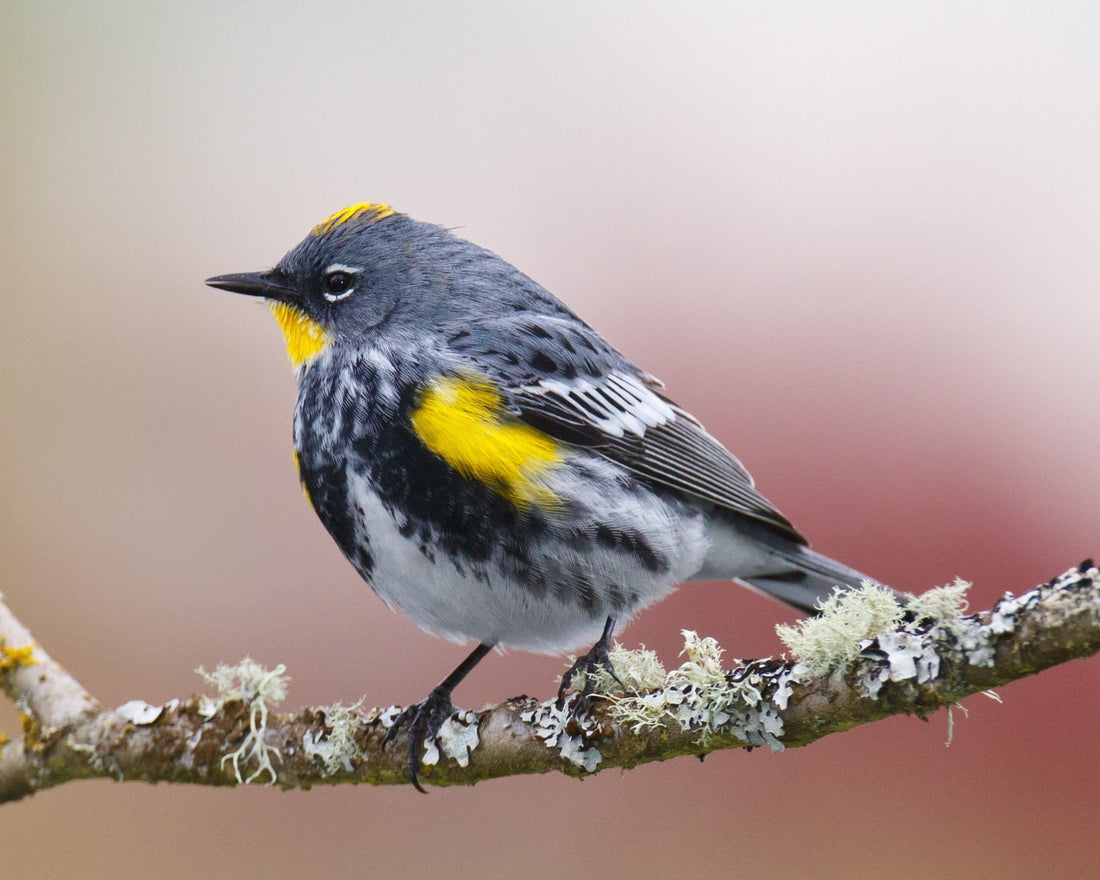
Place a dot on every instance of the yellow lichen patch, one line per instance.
(14, 658)
(370, 211)
(463, 421)
(305, 338)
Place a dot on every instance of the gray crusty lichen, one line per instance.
(699, 695)
(870, 629)
(868, 632)
(335, 746)
(864, 634)
(746, 701)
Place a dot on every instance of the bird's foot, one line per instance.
(423, 721)
(598, 659)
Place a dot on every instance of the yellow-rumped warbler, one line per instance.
(490, 464)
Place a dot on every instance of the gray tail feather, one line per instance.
(811, 579)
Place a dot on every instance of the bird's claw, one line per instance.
(597, 659)
(423, 721)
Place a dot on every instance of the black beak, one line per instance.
(265, 284)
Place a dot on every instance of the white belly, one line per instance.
(460, 601)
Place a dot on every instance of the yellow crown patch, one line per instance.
(370, 211)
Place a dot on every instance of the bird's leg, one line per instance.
(424, 719)
(598, 657)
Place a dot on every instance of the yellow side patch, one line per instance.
(301, 480)
(305, 338)
(463, 422)
(370, 210)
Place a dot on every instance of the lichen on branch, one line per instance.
(865, 657)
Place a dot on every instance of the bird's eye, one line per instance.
(339, 283)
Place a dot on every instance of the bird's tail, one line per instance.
(776, 563)
(810, 579)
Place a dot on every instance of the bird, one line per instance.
(491, 466)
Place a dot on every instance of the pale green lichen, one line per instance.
(831, 640)
(248, 681)
(258, 688)
(703, 668)
(992, 695)
(944, 607)
(700, 695)
(635, 670)
(951, 707)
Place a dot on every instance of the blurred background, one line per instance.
(858, 240)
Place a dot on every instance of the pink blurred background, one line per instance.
(860, 243)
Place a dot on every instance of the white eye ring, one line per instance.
(339, 269)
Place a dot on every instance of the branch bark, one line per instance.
(919, 665)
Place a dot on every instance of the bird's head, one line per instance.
(364, 267)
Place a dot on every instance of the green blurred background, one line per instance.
(859, 241)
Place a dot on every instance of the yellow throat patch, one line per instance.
(305, 338)
(462, 420)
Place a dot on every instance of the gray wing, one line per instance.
(562, 378)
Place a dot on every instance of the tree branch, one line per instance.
(849, 669)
